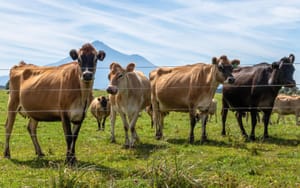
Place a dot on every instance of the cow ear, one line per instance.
(275, 65)
(74, 54)
(130, 67)
(111, 65)
(101, 55)
(214, 60)
(292, 58)
(235, 63)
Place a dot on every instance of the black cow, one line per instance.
(255, 89)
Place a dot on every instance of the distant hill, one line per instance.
(101, 81)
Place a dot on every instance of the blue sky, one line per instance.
(166, 32)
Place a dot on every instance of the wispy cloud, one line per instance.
(167, 32)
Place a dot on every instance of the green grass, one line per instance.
(172, 162)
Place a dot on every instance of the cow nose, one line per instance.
(112, 90)
(291, 84)
(231, 80)
(87, 76)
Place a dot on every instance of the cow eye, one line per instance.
(120, 76)
(220, 67)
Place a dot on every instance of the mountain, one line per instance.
(101, 80)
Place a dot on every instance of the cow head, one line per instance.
(87, 57)
(224, 69)
(116, 75)
(103, 101)
(282, 72)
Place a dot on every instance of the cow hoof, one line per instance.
(71, 160)
(40, 155)
(126, 146)
(191, 140)
(223, 133)
(265, 137)
(203, 138)
(252, 138)
(7, 156)
(158, 136)
(112, 140)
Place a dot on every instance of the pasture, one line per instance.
(221, 162)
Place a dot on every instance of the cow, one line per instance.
(129, 94)
(53, 93)
(186, 89)
(285, 105)
(100, 109)
(212, 110)
(254, 90)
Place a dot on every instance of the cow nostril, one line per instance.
(231, 80)
(87, 76)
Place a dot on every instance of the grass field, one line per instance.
(172, 162)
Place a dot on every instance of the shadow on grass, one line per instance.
(144, 150)
(279, 141)
(200, 142)
(238, 143)
(38, 163)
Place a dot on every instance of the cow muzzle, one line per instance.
(112, 90)
(230, 80)
(87, 76)
(290, 84)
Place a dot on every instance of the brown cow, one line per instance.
(285, 105)
(100, 108)
(60, 93)
(130, 93)
(188, 88)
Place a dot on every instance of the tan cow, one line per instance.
(188, 88)
(286, 105)
(130, 93)
(212, 110)
(61, 93)
(100, 108)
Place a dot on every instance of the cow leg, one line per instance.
(112, 125)
(75, 133)
(11, 117)
(204, 121)
(192, 127)
(224, 117)
(253, 124)
(134, 136)
(103, 122)
(31, 127)
(99, 124)
(158, 119)
(68, 136)
(126, 127)
(266, 119)
(239, 117)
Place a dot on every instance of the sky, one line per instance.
(166, 32)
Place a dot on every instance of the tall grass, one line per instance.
(228, 161)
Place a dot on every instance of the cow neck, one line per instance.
(86, 90)
(214, 83)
